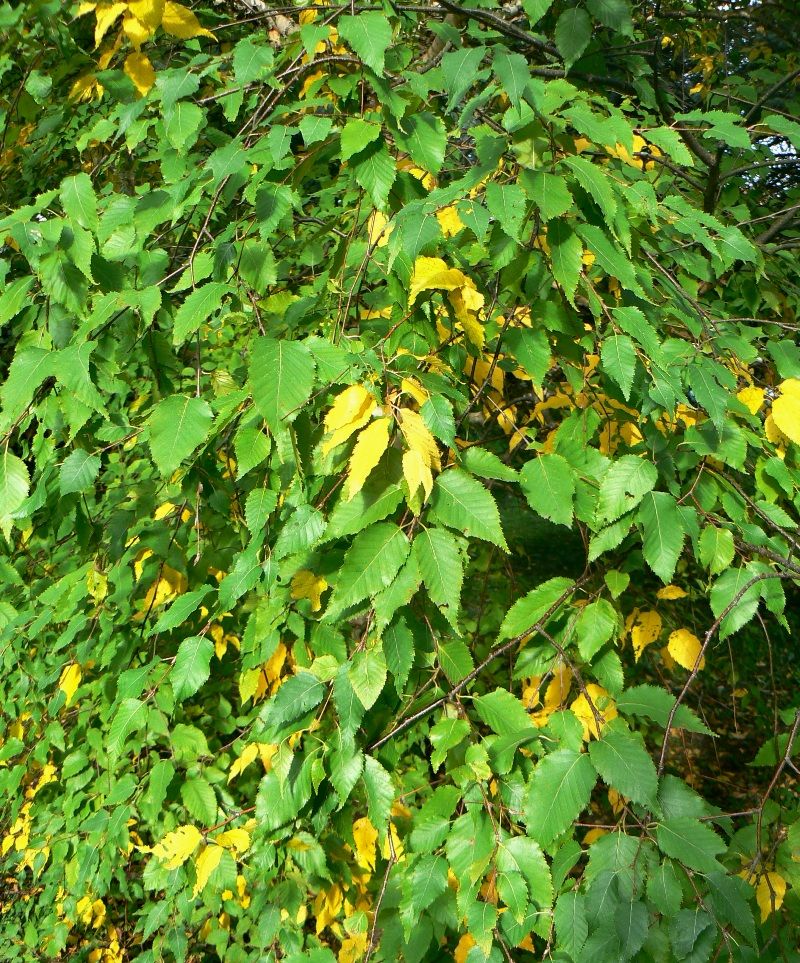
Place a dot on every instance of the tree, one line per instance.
(318, 323)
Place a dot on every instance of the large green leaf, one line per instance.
(461, 502)
(441, 567)
(549, 485)
(663, 533)
(177, 426)
(624, 764)
(281, 377)
(192, 666)
(624, 485)
(560, 788)
(691, 842)
(371, 563)
(369, 34)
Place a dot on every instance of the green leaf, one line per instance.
(192, 666)
(27, 371)
(424, 138)
(548, 483)
(595, 182)
(182, 123)
(624, 485)
(572, 927)
(78, 471)
(180, 610)
(660, 517)
(356, 135)
(251, 446)
(532, 350)
(437, 413)
(502, 712)
(260, 504)
(281, 377)
(15, 483)
(197, 309)
(177, 426)
(572, 34)
(522, 855)
(513, 892)
(479, 461)
(441, 567)
(369, 35)
(462, 503)
(623, 763)
(371, 563)
(651, 702)
(506, 203)
(716, 549)
(79, 201)
(618, 356)
(379, 791)
(664, 888)
(566, 252)
(730, 590)
(512, 70)
(368, 674)
(460, 69)
(14, 298)
(398, 645)
(129, 717)
(615, 14)
(560, 788)
(596, 624)
(527, 611)
(456, 660)
(199, 799)
(295, 698)
(631, 924)
(609, 257)
(375, 171)
(691, 842)
(549, 193)
(427, 881)
(444, 736)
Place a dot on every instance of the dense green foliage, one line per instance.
(400, 425)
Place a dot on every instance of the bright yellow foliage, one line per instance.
(786, 410)
(365, 836)
(307, 585)
(206, 863)
(369, 448)
(237, 840)
(182, 23)
(752, 398)
(140, 70)
(422, 454)
(70, 680)
(671, 592)
(769, 893)
(644, 629)
(605, 705)
(176, 847)
(350, 411)
(684, 647)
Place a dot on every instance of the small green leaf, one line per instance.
(549, 485)
(177, 426)
(192, 666)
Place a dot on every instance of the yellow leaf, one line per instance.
(149, 12)
(413, 388)
(467, 301)
(671, 592)
(751, 398)
(449, 221)
(379, 229)
(307, 585)
(350, 411)
(419, 439)
(237, 840)
(786, 410)
(684, 647)
(106, 15)
(353, 948)
(70, 680)
(266, 750)
(602, 701)
(369, 448)
(432, 274)
(207, 862)
(85, 8)
(417, 473)
(696, 89)
(769, 893)
(137, 32)
(140, 70)
(463, 947)
(182, 23)
(365, 836)
(644, 629)
(592, 835)
(248, 755)
(176, 847)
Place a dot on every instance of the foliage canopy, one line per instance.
(400, 424)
